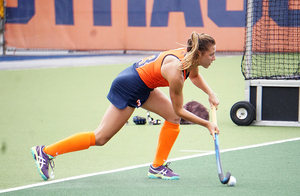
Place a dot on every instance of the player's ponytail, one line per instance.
(197, 42)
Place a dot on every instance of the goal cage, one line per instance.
(270, 65)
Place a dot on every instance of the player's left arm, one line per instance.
(199, 81)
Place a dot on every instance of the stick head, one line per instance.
(226, 179)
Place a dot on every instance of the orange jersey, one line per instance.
(149, 69)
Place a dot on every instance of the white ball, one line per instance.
(232, 181)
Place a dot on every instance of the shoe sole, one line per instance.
(34, 154)
(157, 176)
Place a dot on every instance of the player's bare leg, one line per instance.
(159, 103)
(113, 120)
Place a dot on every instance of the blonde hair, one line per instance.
(197, 42)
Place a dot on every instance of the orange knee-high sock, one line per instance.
(167, 137)
(79, 141)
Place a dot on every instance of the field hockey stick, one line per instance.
(223, 179)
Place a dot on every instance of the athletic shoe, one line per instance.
(162, 172)
(42, 161)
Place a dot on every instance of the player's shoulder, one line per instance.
(171, 60)
(170, 68)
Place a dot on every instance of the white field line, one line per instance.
(145, 165)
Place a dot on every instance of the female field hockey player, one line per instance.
(136, 86)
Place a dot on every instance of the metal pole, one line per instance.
(248, 52)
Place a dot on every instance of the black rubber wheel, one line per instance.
(242, 113)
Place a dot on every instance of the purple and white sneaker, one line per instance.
(42, 161)
(162, 172)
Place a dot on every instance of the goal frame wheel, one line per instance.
(242, 113)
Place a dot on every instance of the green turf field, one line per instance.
(267, 170)
(42, 106)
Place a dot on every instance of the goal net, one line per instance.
(272, 40)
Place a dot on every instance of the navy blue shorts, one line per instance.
(128, 89)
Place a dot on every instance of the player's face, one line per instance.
(208, 57)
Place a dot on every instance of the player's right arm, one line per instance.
(173, 74)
